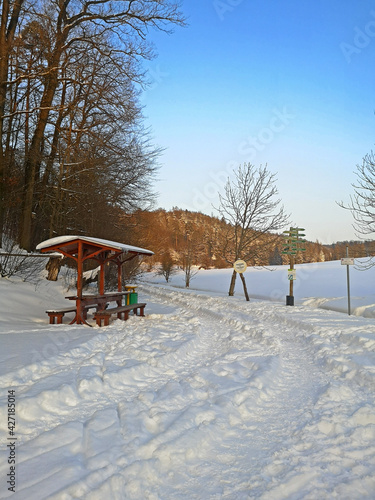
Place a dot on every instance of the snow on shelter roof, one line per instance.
(63, 241)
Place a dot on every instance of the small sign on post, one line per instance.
(240, 266)
(347, 261)
(292, 274)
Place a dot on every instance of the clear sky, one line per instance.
(287, 83)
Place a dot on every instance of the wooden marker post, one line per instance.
(347, 261)
(293, 244)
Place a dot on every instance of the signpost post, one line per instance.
(347, 261)
(293, 243)
(240, 267)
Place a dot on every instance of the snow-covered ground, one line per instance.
(207, 397)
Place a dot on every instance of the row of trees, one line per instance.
(74, 153)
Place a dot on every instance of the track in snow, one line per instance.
(263, 414)
(206, 397)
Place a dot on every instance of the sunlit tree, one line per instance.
(362, 201)
(254, 214)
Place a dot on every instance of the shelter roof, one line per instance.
(69, 245)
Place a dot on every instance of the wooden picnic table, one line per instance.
(101, 301)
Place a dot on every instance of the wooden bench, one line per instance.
(56, 315)
(122, 313)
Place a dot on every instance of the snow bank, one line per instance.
(208, 396)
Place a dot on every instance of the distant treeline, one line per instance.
(175, 232)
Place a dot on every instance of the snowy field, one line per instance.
(207, 397)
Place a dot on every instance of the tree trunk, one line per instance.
(8, 23)
(34, 155)
(53, 267)
(244, 286)
(232, 283)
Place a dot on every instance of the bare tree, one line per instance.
(253, 213)
(167, 266)
(362, 202)
(100, 157)
(70, 29)
(190, 244)
(187, 265)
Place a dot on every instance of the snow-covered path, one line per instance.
(206, 397)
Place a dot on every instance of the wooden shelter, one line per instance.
(82, 248)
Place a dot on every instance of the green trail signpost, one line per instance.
(293, 244)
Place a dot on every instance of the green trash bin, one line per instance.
(133, 298)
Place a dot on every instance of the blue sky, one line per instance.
(285, 83)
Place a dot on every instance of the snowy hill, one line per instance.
(208, 396)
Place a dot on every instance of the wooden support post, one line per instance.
(291, 281)
(119, 276)
(101, 278)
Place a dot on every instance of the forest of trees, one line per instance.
(74, 154)
(173, 235)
